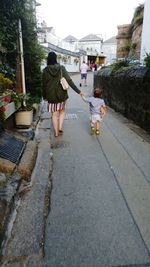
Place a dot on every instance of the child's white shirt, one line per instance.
(95, 104)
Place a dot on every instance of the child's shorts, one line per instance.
(95, 117)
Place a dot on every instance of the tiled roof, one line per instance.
(70, 38)
(111, 40)
(90, 37)
(49, 28)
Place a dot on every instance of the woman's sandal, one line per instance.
(61, 132)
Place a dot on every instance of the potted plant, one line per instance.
(4, 102)
(24, 114)
(7, 106)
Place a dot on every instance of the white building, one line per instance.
(145, 42)
(67, 50)
(92, 44)
(71, 43)
(71, 52)
(109, 49)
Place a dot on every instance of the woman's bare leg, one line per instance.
(61, 118)
(97, 125)
(55, 122)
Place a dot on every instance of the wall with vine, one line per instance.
(126, 90)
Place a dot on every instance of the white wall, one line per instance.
(145, 44)
(109, 51)
(92, 48)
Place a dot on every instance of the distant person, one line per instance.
(53, 92)
(83, 71)
(97, 110)
(94, 67)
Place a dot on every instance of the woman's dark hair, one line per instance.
(52, 58)
(98, 93)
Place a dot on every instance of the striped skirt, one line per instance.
(56, 107)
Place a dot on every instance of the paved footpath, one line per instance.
(99, 214)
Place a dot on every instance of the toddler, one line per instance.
(97, 110)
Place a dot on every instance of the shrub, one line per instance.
(5, 83)
(119, 64)
(8, 72)
(147, 60)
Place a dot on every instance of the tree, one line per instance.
(10, 13)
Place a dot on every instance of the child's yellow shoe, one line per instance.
(92, 130)
(97, 132)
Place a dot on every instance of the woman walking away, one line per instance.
(53, 92)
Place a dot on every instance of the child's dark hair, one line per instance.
(98, 93)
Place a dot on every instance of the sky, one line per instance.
(82, 17)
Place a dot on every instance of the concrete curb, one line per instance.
(27, 236)
(7, 166)
(28, 160)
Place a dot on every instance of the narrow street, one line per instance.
(101, 193)
(76, 196)
(99, 200)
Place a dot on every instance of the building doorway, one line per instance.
(98, 60)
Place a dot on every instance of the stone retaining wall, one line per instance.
(127, 91)
(129, 36)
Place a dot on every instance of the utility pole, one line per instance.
(20, 73)
(21, 58)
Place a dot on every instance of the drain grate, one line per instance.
(71, 116)
(11, 148)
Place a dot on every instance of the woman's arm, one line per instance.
(84, 98)
(70, 81)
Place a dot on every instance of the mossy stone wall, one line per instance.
(127, 91)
